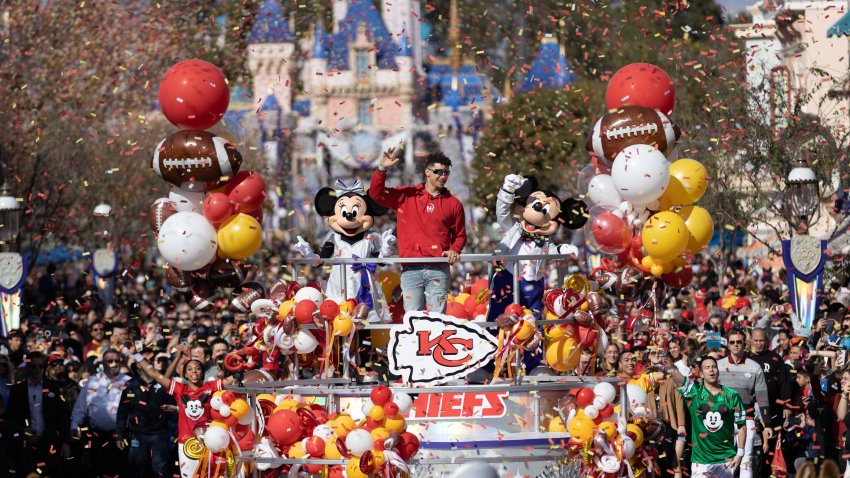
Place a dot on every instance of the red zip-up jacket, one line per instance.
(427, 225)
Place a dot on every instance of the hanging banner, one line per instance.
(104, 268)
(13, 271)
(430, 348)
(804, 257)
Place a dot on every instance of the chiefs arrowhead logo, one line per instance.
(433, 348)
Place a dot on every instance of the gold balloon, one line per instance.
(556, 425)
(700, 227)
(609, 428)
(578, 283)
(581, 428)
(665, 235)
(286, 307)
(637, 432)
(675, 195)
(239, 237)
(352, 469)
(194, 448)
(561, 354)
(342, 325)
(692, 175)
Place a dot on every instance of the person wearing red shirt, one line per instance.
(430, 223)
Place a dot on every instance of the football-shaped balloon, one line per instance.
(203, 296)
(217, 208)
(196, 160)
(225, 273)
(187, 241)
(247, 191)
(641, 84)
(632, 125)
(283, 290)
(181, 281)
(183, 200)
(251, 291)
(193, 94)
(630, 283)
(161, 210)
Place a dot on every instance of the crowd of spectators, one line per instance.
(73, 405)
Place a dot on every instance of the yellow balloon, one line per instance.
(581, 428)
(556, 425)
(395, 424)
(389, 280)
(380, 433)
(561, 354)
(665, 235)
(700, 227)
(342, 325)
(352, 469)
(297, 451)
(609, 428)
(638, 433)
(346, 306)
(675, 195)
(240, 408)
(239, 237)
(692, 175)
(286, 307)
(331, 451)
(462, 297)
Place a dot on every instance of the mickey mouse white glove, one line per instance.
(568, 249)
(388, 241)
(303, 247)
(513, 182)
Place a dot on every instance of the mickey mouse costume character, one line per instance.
(350, 212)
(542, 215)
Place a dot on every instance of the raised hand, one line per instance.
(303, 247)
(390, 158)
(513, 182)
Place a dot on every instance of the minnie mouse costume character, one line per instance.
(350, 212)
(542, 215)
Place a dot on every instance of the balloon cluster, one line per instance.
(472, 302)
(643, 204)
(280, 319)
(378, 446)
(228, 434)
(585, 312)
(591, 420)
(211, 219)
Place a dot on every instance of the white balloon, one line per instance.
(264, 449)
(191, 201)
(215, 402)
(599, 403)
(367, 406)
(224, 411)
(305, 342)
(263, 307)
(325, 432)
(591, 412)
(640, 173)
(606, 391)
(609, 464)
(216, 439)
(308, 293)
(602, 190)
(187, 241)
(359, 441)
(247, 419)
(403, 401)
(637, 397)
(475, 469)
(285, 342)
(628, 447)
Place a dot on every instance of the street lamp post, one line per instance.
(803, 255)
(13, 266)
(104, 257)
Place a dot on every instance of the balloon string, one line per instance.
(498, 367)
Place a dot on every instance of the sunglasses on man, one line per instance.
(440, 172)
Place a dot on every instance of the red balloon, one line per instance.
(679, 279)
(285, 427)
(478, 286)
(586, 335)
(514, 309)
(315, 446)
(584, 397)
(247, 190)
(381, 395)
(194, 95)
(244, 437)
(456, 309)
(335, 472)
(379, 445)
(611, 232)
(641, 84)
(217, 208)
(329, 309)
(408, 445)
(227, 397)
(304, 311)
(606, 411)
(256, 214)
(481, 309)
(390, 409)
(470, 305)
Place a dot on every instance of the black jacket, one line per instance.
(57, 420)
(140, 410)
(776, 377)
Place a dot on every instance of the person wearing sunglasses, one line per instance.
(97, 404)
(430, 223)
(745, 376)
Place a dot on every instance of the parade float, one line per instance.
(339, 381)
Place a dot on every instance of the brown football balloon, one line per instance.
(196, 160)
(250, 292)
(597, 304)
(630, 284)
(632, 125)
(605, 280)
(202, 296)
(180, 280)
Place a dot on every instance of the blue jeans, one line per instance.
(425, 288)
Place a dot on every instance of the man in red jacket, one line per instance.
(430, 223)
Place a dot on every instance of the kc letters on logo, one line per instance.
(430, 348)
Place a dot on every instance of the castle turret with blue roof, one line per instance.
(549, 69)
(271, 55)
